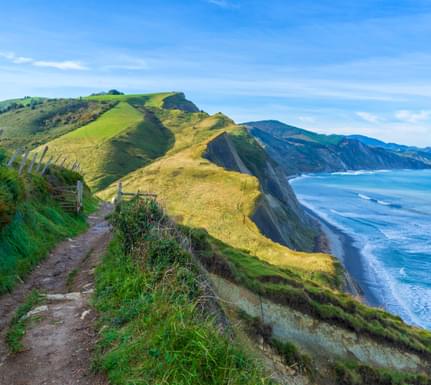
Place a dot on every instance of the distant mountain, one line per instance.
(298, 150)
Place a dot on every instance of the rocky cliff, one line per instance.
(300, 151)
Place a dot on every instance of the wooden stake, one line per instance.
(39, 166)
(14, 156)
(32, 163)
(23, 162)
(46, 166)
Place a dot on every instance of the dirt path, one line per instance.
(58, 345)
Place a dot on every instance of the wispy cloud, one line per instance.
(223, 3)
(61, 65)
(368, 117)
(412, 116)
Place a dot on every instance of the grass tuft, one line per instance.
(18, 324)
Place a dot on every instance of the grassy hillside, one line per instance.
(156, 326)
(201, 194)
(123, 139)
(13, 104)
(31, 222)
(33, 125)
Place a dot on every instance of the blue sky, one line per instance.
(330, 66)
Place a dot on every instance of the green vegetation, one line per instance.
(35, 124)
(15, 104)
(147, 100)
(18, 323)
(352, 373)
(154, 325)
(31, 221)
(200, 194)
(120, 141)
(287, 287)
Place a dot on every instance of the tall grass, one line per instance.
(154, 326)
(32, 221)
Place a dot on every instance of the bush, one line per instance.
(11, 193)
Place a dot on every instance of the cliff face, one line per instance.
(299, 151)
(278, 214)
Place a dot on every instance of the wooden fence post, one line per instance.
(41, 159)
(46, 166)
(32, 163)
(23, 162)
(79, 195)
(119, 194)
(14, 156)
(62, 163)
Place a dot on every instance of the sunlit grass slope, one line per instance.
(201, 194)
(150, 100)
(121, 140)
(29, 124)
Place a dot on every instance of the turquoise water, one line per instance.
(388, 214)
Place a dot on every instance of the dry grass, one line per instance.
(201, 194)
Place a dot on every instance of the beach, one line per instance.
(342, 247)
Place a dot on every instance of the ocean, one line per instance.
(388, 216)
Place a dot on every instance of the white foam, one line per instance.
(363, 196)
(359, 172)
(383, 203)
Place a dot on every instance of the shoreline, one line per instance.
(342, 247)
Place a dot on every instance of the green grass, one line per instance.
(200, 194)
(32, 126)
(148, 100)
(33, 222)
(17, 326)
(352, 373)
(299, 292)
(120, 141)
(153, 323)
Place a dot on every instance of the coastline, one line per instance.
(342, 247)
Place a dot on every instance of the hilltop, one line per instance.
(225, 188)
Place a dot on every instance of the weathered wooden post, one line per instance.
(39, 166)
(119, 194)
(32, 163)
(23, 162)
(79, 196)
(46, 166)
(14, 156)
(64, 161)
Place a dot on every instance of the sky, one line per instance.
(349, 67)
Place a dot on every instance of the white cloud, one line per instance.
(61, 65)
(412, 116)
(368, 117)
(223, 3)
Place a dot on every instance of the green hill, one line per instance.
(230, 199)
(31, 125)
(123, 139)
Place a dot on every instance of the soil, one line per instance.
(60, 338)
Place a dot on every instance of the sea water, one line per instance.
(388, 215)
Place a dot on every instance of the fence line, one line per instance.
(70, 198)
(120, 194)
(38, 166)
